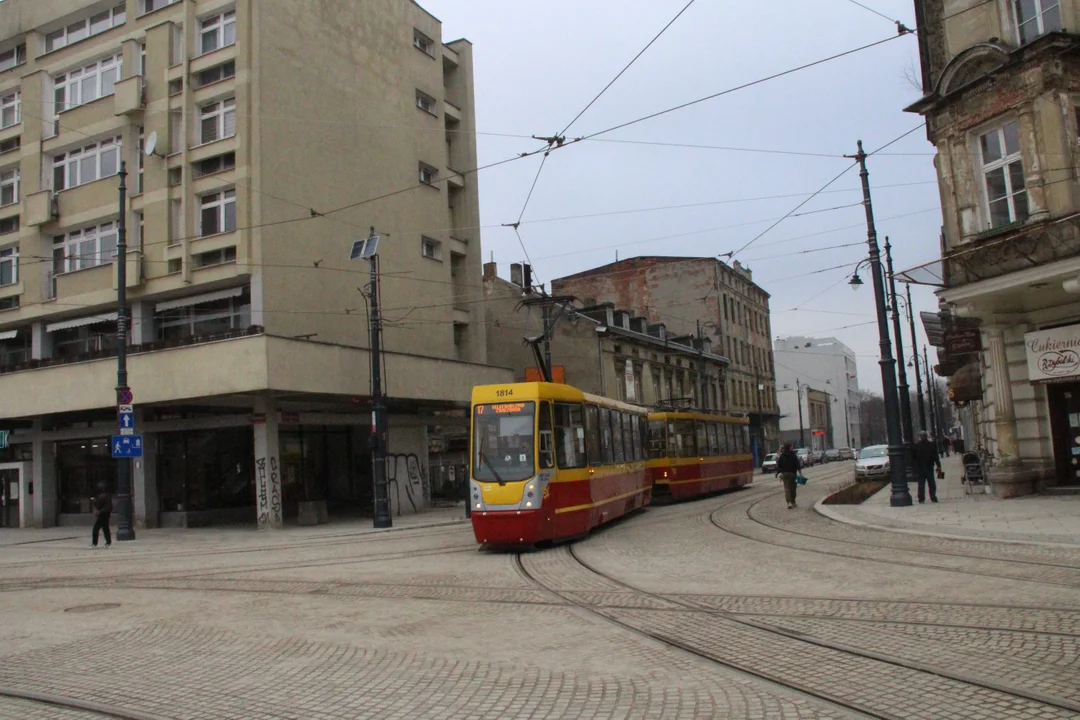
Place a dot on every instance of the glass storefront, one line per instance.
(80, 466)
(316, 465)
(206, 470)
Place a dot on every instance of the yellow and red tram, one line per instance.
(548, 461)
(694, 453)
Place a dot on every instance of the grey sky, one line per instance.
(538, 65)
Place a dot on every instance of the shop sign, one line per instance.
(962, 342)
(1053, 355)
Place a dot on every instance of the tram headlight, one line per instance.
(532, 495)
(477, 496)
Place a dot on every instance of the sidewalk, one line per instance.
(232, 534)
(1053, 520)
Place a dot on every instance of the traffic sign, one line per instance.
(126, 446)
(125, 396)
(126, 420)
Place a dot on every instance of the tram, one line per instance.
(548, 461)
(694, 453)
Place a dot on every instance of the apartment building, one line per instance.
(804, 364)
(283, 132)
(601, 349)
(700, 297)
(1002, 110)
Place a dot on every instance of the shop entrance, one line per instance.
(10, 495)
(1064, 402)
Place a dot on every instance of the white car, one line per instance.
(768, 465)
(873, 462)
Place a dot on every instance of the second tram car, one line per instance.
(548, 461)
(693, 453)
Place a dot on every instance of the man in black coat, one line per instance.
(926, 461)
(787, 467)
(102, 504)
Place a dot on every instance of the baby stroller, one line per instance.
(975, 478)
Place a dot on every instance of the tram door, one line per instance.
(9, 498)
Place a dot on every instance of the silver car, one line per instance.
(873, 462)
(768, 465)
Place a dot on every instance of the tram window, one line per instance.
(605, 432)
(736, 445)
(592, 428)
(617, 434)
(657, 438)
(503, 442)
(547, 457)
(684, 436)
(746, 438)
(702, 437)
(570, 435)
(714, 448)
(628, 436)
(643, 436)
(636, 432)
(729, 434)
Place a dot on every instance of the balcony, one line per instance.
(129, 97)
(40, 208)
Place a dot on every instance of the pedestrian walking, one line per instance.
(102, 504)
(927, 461)
(787, 468)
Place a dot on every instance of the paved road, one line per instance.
(729, 607)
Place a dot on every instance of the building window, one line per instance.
(206, 318)
(85, 248)
(216, 164)
(217, 121)
(176, 176)
(82, 29)
(88, 83)
(9, 266)
(423, 43)
(10, 144)
(216, 74)
(431, 249)
(176, 86)
(1036, 17)
(9, 225)
(86, 164)
(10, 110)
(149, 6)
(11, 58)
(428, 174)
(1003, 175)
(214, 257)
(217, 213)
(425, 102)
(95, 337)
(142, 161)
(9, 187)
(219, 31)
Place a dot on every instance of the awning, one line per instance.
(80, 322)
(931, 273)
(8, 334)
(198, 299)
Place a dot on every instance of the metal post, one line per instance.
(126, 529)
(931, 397)
(906, 420)
(798, 400)
(547, 342)
(901, 496)
(915, 357)
(378, 415)
(701, 368)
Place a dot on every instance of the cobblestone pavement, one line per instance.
(768, 613)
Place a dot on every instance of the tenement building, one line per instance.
(804, 364)
(601, 349)
(257, 137)
(1001, 82)
(702, 297)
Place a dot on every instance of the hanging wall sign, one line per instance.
(1053, 355)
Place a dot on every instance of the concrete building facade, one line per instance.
(824, 364)
(283, 132)
(602, 349)
(701, 297)
(1001, 99)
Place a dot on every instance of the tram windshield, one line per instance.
(503, 442)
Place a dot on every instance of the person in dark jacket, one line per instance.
(102, 504)
(787, 467)
(926, 461)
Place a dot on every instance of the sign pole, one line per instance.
(382, 517)
(126, 529)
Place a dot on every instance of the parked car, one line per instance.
(768, 465)
(847, 454)
(873, 462)
(818, 455)
(832, 455)
(806, 458)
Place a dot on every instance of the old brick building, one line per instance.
(701, 297)
(1001, 83)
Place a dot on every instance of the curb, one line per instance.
(835, 516)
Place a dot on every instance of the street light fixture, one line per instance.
(855, 282)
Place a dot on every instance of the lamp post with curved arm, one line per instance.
(901, 495)
(914, 362)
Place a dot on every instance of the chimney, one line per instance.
(491, 270)
(516, 274)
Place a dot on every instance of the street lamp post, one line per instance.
(125, 528)
(915, 359)
(907, 422)
(901, 495)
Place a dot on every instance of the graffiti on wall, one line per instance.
(408, 481)
(268, 485)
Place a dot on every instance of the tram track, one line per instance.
(725, 625)
(76, 704)
(747, 513)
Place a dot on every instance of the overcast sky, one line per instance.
(538, 64)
